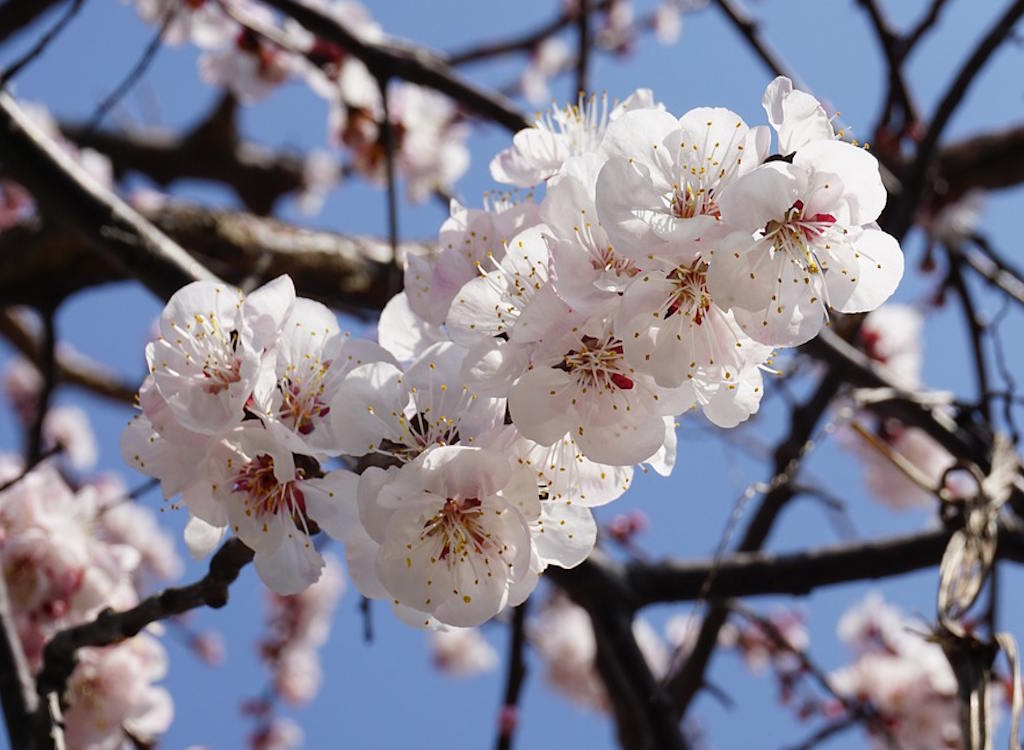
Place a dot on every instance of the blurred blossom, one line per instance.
(68, 428)
(549, 58)
(668, 22)
(462, 652)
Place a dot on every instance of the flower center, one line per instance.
(598, 364)
(301, 399)
(796, 231)
(264, 495)
(690, 295)
(458, 528)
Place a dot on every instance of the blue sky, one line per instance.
(385, 694)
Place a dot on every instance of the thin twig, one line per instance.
(136, 72)
(413, 64)
(583, 46)
(924, 25)
(48, 369)
(112, 627)
(48, 453)
(685, 684)
(515, 678)
(751, 31)
(915, 183)
(72, 368)
(40, 46)
(975, 330)
(366, 610)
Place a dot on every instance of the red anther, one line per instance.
(621, 381)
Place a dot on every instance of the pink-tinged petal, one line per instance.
(540, 403)
(405, 334)
(202, 538)
(622, 443)
(293, 567)
(760, 196)
(880, 268)
(736, 399)
(565, 534)
(864, 192)
(265, 310)
(331, 502)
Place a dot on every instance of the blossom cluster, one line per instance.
(897, 669)
(249, 53)
(65, 555)
(540, 354)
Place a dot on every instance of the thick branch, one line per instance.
(642, 707)
(71, 368)
(64, 190)
(344, 271)
(212, 150)
(797, 573)
(15, 15)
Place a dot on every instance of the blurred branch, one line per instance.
(349, 272)
(393, 59)
(895, 48)
(211, 150)
(583, 45)
(112, 627)
(516, 677)
(526, 42)
(48, 369)
(40, 46)
(65, 192)
(751, 31)
(16, 15)
(74, 369)
(136, 72)
(975, 330)
(928, 20)
(685, 684)
(916, 182)
(16, 694)
(643, 709)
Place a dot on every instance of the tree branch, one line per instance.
(111, 627)
(212, 150)
(687, 681)
(16, 693)
(63, 189)
(915, 184)
(349, 272)
(394, 59)
(74, 369)
(751, 31)
(515, 678)
(15, 15)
